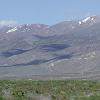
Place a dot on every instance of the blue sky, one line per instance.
(47, 11)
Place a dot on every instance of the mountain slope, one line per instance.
(38, 49)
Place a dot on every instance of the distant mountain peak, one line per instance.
(90, 19)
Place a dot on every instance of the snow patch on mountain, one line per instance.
(92, 19)
(86, 19)
(12, 30)
(80, 22)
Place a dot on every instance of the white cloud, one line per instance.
(8, 23)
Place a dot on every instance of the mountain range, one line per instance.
(69, 49)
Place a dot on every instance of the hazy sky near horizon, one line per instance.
(46, 11)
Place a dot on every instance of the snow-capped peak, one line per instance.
(86, 19)
(80, 22)
(12, 30)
